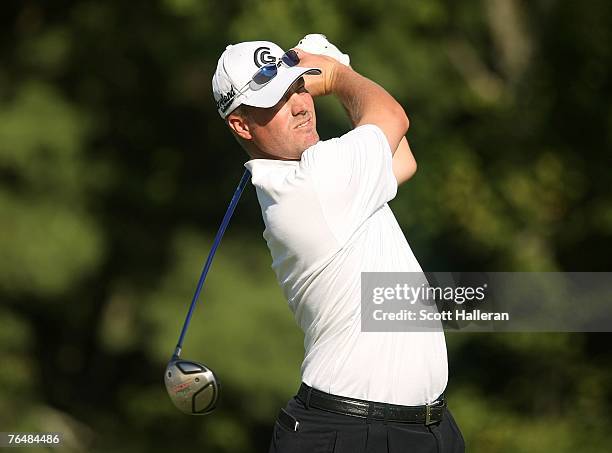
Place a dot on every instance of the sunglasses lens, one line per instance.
(290, 58)
(265, 74)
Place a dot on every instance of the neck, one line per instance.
(256, 153)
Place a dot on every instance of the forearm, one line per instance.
(404, 164)
(356, 93)
(366, 102)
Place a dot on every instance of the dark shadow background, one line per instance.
(115, 171)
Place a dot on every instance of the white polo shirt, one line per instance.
(327, 220)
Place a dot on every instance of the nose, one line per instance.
(299, 104)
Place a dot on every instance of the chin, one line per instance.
(312, 139)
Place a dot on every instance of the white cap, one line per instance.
(235, 69)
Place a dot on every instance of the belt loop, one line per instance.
(385, 414)
(307, 402)
(370, 410)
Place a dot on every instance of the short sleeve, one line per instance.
(353, 177)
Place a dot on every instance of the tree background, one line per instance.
(115, 171)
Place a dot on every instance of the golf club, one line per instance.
(193, 387)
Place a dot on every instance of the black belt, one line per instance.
(428, 414)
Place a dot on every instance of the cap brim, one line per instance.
(269, 95)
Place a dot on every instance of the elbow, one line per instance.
(402, 118)
(412, 169)
(407, 173)
(409, 170)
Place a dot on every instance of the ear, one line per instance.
(240, 125)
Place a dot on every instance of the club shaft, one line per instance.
(224, 223)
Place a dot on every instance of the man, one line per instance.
(324, 205)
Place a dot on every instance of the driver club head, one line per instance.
(192, 387)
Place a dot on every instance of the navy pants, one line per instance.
(325, 432)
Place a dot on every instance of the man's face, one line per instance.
(286, 130)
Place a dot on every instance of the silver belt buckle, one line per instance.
(428, 415)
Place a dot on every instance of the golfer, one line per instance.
(324, 205)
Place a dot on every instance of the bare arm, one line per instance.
(404, 164)
(365, 101)
(368, 103)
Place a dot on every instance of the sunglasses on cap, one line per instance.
(267, 72)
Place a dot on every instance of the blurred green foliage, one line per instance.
(115, 171)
